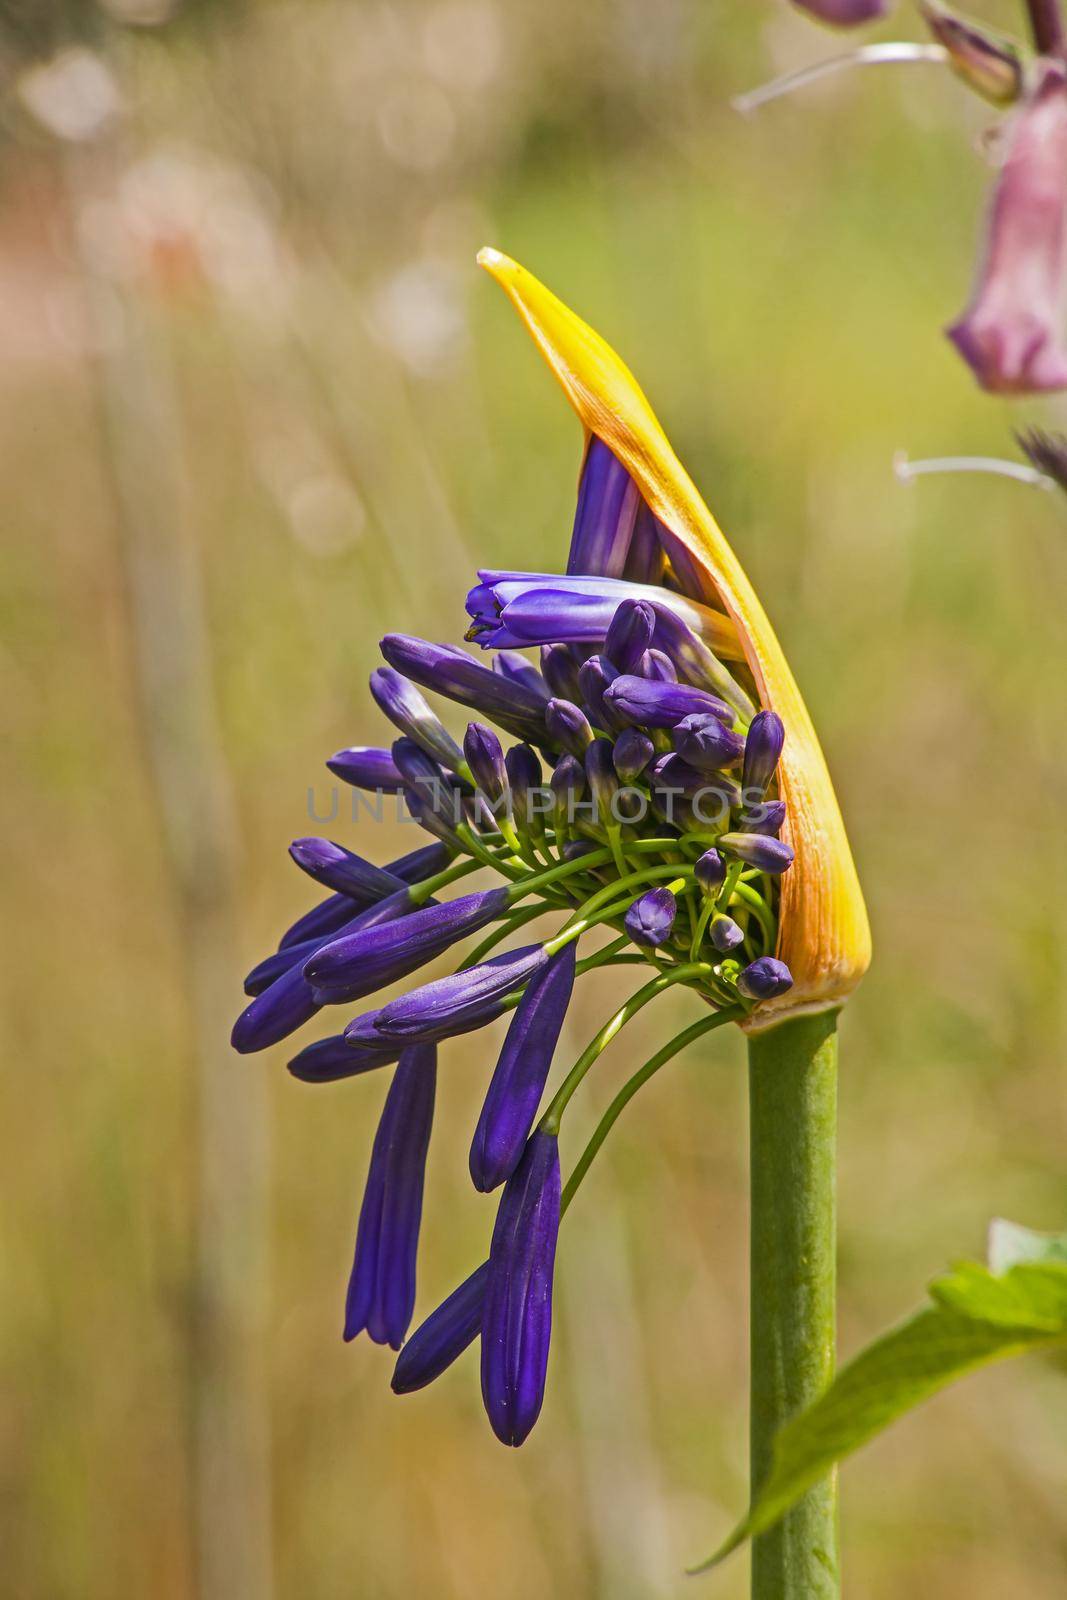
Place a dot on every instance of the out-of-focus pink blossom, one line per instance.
(844, 13)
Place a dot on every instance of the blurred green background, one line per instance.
(256, 405)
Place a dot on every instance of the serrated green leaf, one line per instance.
(976, 1318)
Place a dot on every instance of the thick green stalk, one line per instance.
(793, 1133)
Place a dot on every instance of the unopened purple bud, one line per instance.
(517, 1317)
(462, 1001)
(629, 634)
(330, 1060)
(560, 671)
(359, 963)
(706, 744)
(757, 850)
(408, 710)
(763, 747)
(568, 784)
(594, 676)
(486, 760)
(381, 1289)
(568, 727)
(452, 673)
(651, 704)
(444, 1335)
(844, 13)
(985, 61)
(270, 970)
(767, 817)
(510, 664)
(608, 501)
(1011, 334)
(716, 794)
(526, 784)
(331, 914)
(650, 920)
(657, 665)
(695, 662)
(337, 868)
(725, 935)
(600, 771)
(632, 752)
(765, 978)
(710, 872)
(519, 1079)
(366, 768)
(275, 1013)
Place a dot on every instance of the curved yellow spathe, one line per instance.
(824, 936)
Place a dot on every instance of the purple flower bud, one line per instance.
(444, 1335)
(725, 935)
(529, 798)
(985, 61)
(765, 978)
(521, 1071)
(716, 793)
(510, 664)
(706, 744)
(632, 752)
(270, 970)
(334, 912)
(657, 665)
(629, 634)
(651, 704)
(407, 709)
(337, 868)
(361, 962)
(329, 1060)
(608, 500)
(381, 1289)
(600, 771)
(433, 797)
(560, 671)
(452, 673)
(594, 676)
(844, 13)
(710, 872)
(757, 850)
(568, 784)
(517, 1318)
(766, 736)
(568, 727)
(366, 768)
(644, 563)
(574, 849)
(695, 663)
(767, 817)
(462, 1001)
(486, 760)
(650, 920)
(1011, 332)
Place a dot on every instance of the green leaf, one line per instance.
(977, 1317)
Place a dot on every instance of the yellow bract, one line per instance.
(824, 936)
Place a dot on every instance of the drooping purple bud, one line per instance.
(434, 797)
(594, 676)
(706, 744)
(632, 752)
(650, 919)
(985, 61)
(767, 817)
(361, 962)
(337, 868)
(408, 710)
(763, 746)
(364, 767)
(486, 761)
(444, 1335)
(517, 1317)
(629, 634)
(608, 500)
(510, 664)
(843, 13)
(710, 872)
(765, 978)
(651, 704)
(657, 665)
(462, 1001)
(334, 912)
(452, 673)
(568, 727)
(757, 850)
(1011, 334)
(519, 1079)
(725, 935)
(381, 1289)
(329, 1060)
(603, 782)
(560, 671)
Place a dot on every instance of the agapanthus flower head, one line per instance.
(1012, 332)
(652, 784)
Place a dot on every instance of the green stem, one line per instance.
(667, 1053)
(792, 1134)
